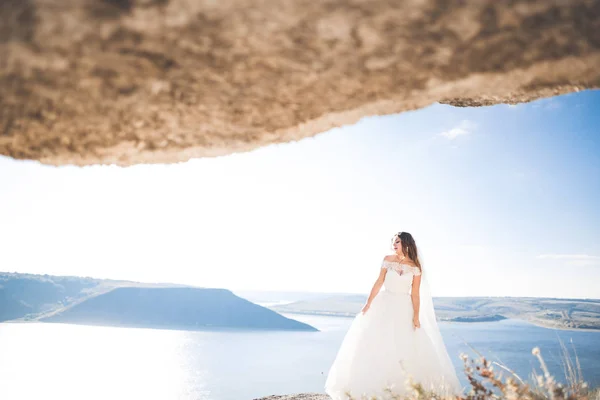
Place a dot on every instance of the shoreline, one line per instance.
(558, 328)
(214, 328)
(532, 322)
(334, 315)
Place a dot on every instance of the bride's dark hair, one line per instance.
(407, 241)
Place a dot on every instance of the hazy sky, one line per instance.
(501, 201)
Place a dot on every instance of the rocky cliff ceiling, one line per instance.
(147, 81)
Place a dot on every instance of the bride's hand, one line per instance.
(416, 323)
(365, 308)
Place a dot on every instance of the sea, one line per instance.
(60, 361)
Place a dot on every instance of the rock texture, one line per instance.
(301, 396)
(144, 81)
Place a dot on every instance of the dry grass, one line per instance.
(493, 380)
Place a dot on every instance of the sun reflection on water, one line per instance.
(89, 362)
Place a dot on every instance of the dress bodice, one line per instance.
(399, 277)
(383, 349)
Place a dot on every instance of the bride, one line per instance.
(395, 339)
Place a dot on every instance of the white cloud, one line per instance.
(464, 128)
(574, 260)
(568, 256)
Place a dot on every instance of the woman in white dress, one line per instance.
(395, 338)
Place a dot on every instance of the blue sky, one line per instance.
(501, 200)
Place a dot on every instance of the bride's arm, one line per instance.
(376, 287)
(416, 300)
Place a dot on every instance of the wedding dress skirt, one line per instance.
(382, 350)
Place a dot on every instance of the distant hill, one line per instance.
(27, 296)
(549, 312)
(46, 298)
(176, 308)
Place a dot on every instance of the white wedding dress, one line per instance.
(382, 349)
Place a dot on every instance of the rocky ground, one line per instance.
(144, 81)
(300, 396)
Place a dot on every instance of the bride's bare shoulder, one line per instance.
(395, 258)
